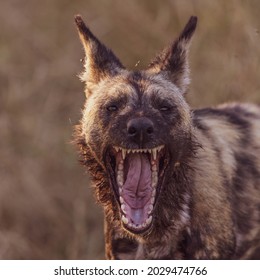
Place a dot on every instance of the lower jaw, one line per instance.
(136, 227)
(137, 231)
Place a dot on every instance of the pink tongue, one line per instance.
(137, 187)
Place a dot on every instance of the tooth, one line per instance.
(128, 151)
(154, 154)
(152, 200)
(123, 208)
(144, 224)
(153, 193)
(154, 181)
(150, 151)
(120, 190)
(117, 149)
(120, 167)
(148, 220)
(125, 220)
(154, 167)
(123, 153)
(121, 199)
(150, 209)
(120, 180)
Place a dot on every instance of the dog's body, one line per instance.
(174, 183)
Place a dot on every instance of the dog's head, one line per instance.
(136, 124)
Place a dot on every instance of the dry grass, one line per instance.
(46, 206)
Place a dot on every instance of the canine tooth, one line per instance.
(125, 220)
(123, 208)
(121, 199)
(123, 153)
(154, 154)
(117, 149)
(148, 220)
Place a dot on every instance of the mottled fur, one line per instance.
(209, 204)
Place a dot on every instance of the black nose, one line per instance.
(140, 130)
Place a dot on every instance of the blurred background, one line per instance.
(47, 210)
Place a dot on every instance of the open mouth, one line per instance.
(136, 176)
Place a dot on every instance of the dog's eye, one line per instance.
(165, 108)
(112, 108)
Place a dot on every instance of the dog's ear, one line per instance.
(173, 61)
(100, 62)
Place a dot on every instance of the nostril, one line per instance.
(131, 130)
(149, 130)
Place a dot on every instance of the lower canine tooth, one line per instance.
(125, 220)
(149, 220)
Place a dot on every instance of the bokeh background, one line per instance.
(47, 210)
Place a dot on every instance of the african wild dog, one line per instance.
(175, 183)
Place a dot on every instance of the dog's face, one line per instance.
(136, 124)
